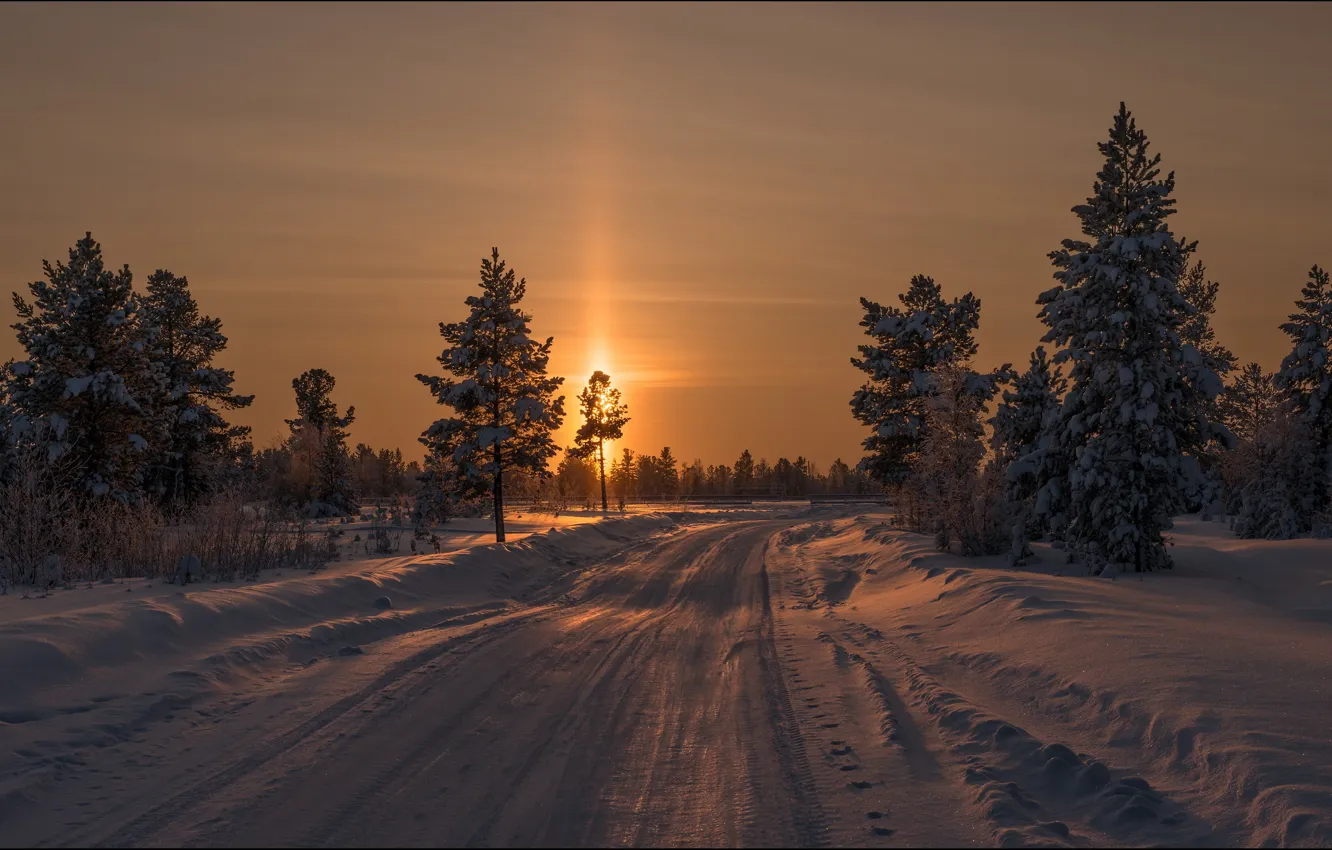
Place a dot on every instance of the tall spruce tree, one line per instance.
(1306, 374)
(909, 343)
(198, 444)
(319, 443)
(504, 404)
(604, 418)
(1135, 417)
(82, 394)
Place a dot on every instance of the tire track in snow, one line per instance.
(163, 814)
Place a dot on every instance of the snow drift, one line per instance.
(1184, 708)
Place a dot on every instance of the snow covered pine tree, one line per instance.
(1135, 417)
(199, 444)
(604, 418)
(505, 407)
(81, 396)
(1019, 421)
(910, 341)
(1306, 374)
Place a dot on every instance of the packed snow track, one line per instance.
(644, 705)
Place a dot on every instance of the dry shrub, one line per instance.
(98, 538)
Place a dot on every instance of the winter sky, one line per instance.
(697, 195)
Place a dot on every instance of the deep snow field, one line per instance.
(1040, 706)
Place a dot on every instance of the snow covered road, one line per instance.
(648, 705)
(812, 680)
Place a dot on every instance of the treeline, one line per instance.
(633, 476)
(116, 452)
(1130, 422)
(1127, 422)
(117, 394)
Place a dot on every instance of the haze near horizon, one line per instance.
(697, 195)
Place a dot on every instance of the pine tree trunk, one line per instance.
(601, 456)
(499, 496)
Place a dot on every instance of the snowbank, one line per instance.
(1185, 707)
(45, 656)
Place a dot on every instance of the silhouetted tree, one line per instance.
(624, 476)
(319, 445)
(744, 471)
(604, 418)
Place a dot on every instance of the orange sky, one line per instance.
(697, 195)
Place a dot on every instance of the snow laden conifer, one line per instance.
(80, 396)
(604, 418)
(1134, 419)
(1306, 374)
(909, 343)
(505, 410)
(321, 463)
(198, 445)
(1023, 416)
